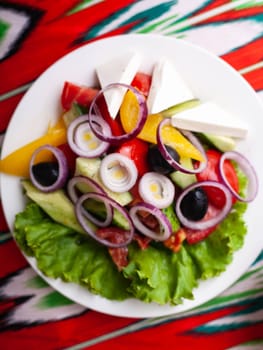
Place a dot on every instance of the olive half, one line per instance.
(195, 204)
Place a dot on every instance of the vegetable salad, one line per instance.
(128, 226)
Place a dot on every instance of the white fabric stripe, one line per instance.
(206, 15)
(230, 35)
(31, 311)
(14, 92)
(132, 10)
(251, 68)
(19, 22)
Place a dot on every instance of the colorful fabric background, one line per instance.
(34, 34)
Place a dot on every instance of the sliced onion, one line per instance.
(195, 141)
(93, 186)
(118, 172)
(62, 168)
(90, 183)
(156, 189)
(204, 224)
(176, 165)
(95, 111)
(78, 132)
(107, 201)
(246, 168)
(165, 225)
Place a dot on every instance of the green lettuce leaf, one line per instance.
(158, 275)
(155, 274)
(171, 216)
(61, 252)
(212, 255)
(161, 276)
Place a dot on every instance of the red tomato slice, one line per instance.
(175, 241)
(68, 95)
(70, 156)
(115, 124)
(211, 172)
(136, 150)
(142, 82)
(135, 195)
(195, 236)
(116, 235)
(83, 95)
(143, 241)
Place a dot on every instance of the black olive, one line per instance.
(158, 163)
(46, 173)
(194, 205)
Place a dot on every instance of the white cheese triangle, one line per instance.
(121, 69)
(167, 88)
(209, 117)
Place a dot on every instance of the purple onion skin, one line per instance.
(117, 140)
(63, 169)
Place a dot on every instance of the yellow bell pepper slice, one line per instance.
(170, 135)
(17, 162)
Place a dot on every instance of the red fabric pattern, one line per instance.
(56, 34)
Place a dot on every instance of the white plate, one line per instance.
(209, 78)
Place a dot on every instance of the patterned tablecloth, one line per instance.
(34, 34)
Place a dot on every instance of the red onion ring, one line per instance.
(95, 187)
(143, 112)
(158, 214)
(204, 224)
(78, 123)
(107, 200)
(176, 165)
(246, 168)
(62, 169)
(108, 164)
(165, 186)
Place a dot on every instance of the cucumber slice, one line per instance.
(181, 179)
(222, 143)
(90, 168)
